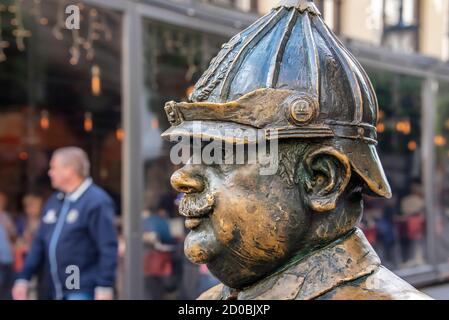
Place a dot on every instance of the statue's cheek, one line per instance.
(201, 245)
(250, 229)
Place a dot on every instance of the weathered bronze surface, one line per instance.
(293, 234)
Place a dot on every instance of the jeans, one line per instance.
(79, 296)
(6, 281)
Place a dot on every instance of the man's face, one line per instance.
(243, 225)
(60, 173)
(32, 206)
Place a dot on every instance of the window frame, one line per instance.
(400, 27)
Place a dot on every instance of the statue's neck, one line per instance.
(303, 254)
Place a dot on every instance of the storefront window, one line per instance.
(442, 175)
(396, 227)
(59, 88)
(175, 58)
(401, 12)
(401, 25)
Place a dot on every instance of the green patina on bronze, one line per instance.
(292, 234)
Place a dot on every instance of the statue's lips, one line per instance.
(196, 209)
(193, 223)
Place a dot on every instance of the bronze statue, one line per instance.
(292, 234)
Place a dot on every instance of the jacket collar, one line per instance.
(75, 195)
(342, 261)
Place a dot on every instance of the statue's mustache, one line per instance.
(196, 206)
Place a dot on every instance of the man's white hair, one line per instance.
(76, 158)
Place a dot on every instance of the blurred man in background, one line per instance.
(27, 226)
(76, 241)
(160, 247)
(6, 261)
(5, 219)
(7, 237)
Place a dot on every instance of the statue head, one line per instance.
(285, 86)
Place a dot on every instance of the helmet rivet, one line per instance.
(302, 110)
(171, 112)
(361, 132)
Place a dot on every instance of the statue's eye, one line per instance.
(227, 163)
(228, 155)
(227, 168)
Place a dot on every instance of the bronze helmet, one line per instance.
(287, 76)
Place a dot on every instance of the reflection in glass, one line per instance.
(174, 60)
(59, 88)
(396, 227)
(442, 174)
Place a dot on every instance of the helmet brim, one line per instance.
(366, 163)
(362, 156)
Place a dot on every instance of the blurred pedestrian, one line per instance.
(386, 231)
(27, 225)
(76, 241)
(411, 226)
(5, 219)
(7, 239)
(159, 243)
(6, 262)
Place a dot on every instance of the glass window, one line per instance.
(175, 58)
(396, 227)
(392, 12)
(401, 25)
(59, 88)
(442, 174)
(401, 12)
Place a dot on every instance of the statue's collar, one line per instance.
(340, 262)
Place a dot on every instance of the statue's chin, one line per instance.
(201, 245)
(232, 275)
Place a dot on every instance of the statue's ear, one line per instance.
(327, 172)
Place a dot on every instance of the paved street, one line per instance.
(439, 292)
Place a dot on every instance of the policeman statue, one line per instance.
(291, 234)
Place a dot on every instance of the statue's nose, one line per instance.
(186, 180)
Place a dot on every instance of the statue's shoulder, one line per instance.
(380, 285)
(213, 293)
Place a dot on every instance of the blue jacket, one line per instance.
(160, 226)
(77, 232)
(5, 247)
